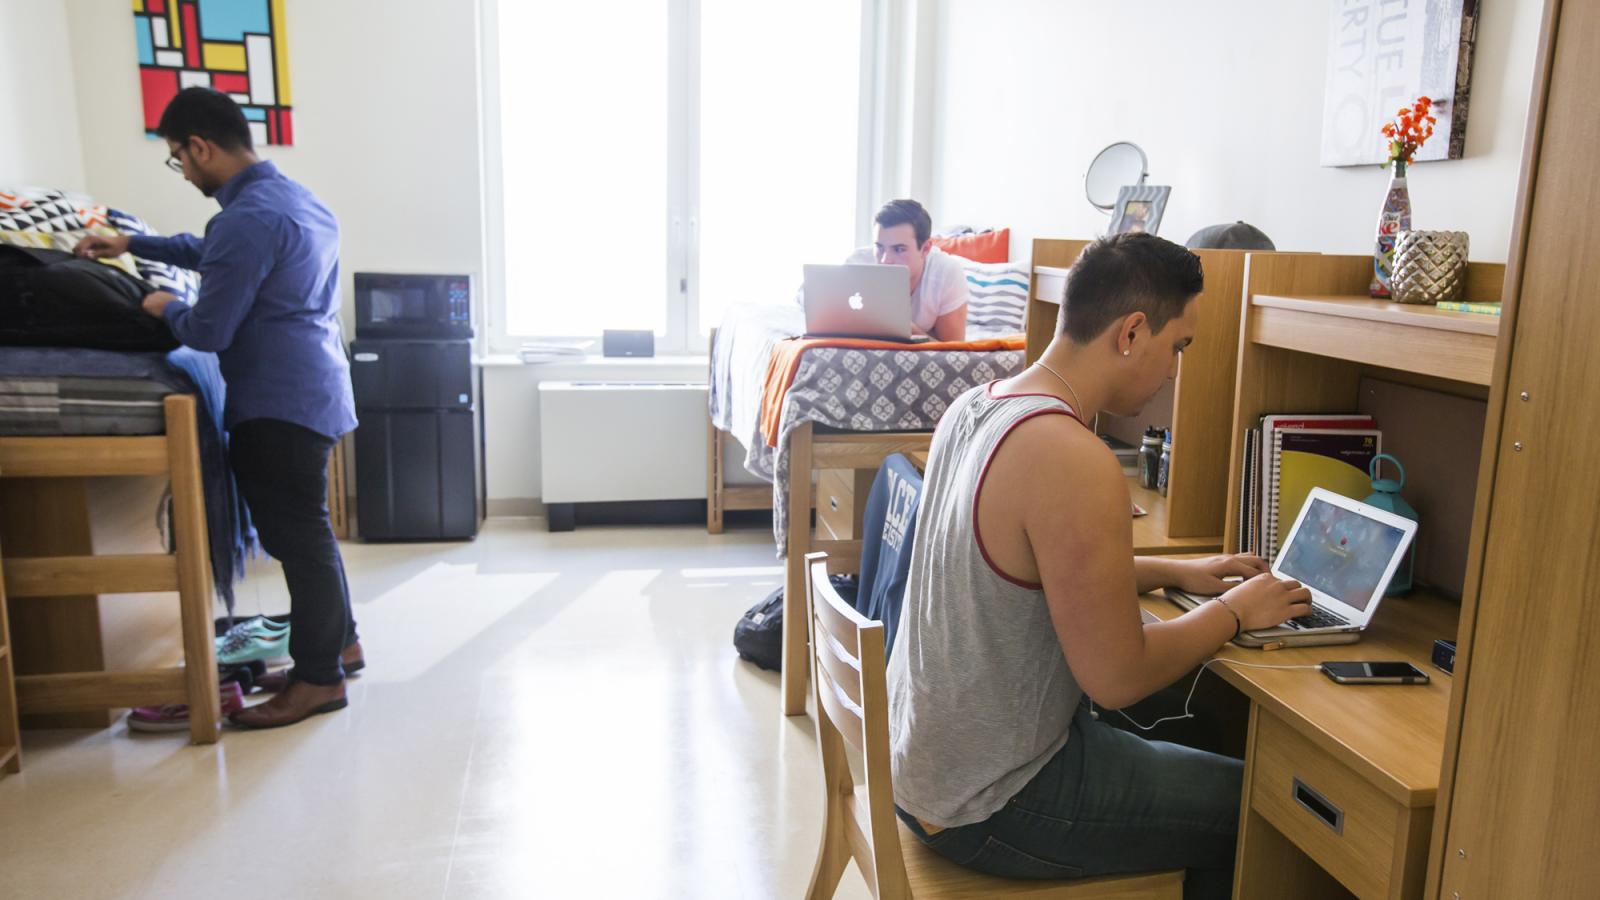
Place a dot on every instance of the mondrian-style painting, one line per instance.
(234, 46)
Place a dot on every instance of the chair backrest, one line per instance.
(888, 528)
(849, 679)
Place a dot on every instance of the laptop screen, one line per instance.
(1341, 553)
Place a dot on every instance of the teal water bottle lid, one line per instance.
(1386, 485)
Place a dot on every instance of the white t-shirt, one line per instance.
(942, 291)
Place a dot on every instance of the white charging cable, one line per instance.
(1188, 699)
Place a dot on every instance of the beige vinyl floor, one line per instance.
(542, 716)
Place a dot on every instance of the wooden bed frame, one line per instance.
(812, 450)
(53, 577)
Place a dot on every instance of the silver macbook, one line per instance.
(865, 301)
(1346, 552)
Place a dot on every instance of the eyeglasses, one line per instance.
(174, 163)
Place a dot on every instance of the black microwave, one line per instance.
(413, 306)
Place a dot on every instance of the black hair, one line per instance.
(207, 114)
(1127, 273)
(907, 212)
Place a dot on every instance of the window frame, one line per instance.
(685, 332)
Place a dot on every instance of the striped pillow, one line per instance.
(998, 295)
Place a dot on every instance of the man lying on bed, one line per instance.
(1022, 605)
(938, 281)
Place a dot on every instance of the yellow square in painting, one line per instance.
(224, 57)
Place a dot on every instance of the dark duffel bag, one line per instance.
(759, 635)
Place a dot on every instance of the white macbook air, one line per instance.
(1346, 552)
(864, 301)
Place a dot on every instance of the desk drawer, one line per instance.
(1328, 810)
(836, 504)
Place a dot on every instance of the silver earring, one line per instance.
(1127, 353)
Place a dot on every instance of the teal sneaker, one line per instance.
(237, 648)
(256, 625)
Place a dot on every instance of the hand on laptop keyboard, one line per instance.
(1264, 601)
(1317, 618)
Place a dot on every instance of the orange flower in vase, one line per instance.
(1410, 129)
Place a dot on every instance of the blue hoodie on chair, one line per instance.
(888, 527)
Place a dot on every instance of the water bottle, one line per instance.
(1150, 458)
(1166, 462)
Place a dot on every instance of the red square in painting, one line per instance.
(159, 87)
(285, 128)
(155, 6)
(231, 82)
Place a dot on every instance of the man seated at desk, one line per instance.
(938, 281)
(1022, 606)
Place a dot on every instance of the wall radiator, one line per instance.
(622, 441)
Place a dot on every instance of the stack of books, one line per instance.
(1286, 457)
(1482, 309)
(533, 352)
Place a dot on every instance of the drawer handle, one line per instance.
(1318, 805)
(833, 503)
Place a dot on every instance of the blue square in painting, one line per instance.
(254, 113)
(228, 20)
(141, 32)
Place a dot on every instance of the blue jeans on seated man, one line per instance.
(1110, 802)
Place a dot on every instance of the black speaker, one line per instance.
(627, 343)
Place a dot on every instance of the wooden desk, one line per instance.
(1150, 536)
(1369, 755)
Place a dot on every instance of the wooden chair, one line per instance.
(853, 705)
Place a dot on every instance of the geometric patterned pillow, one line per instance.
(46, 210)
(998, 296)
(183, 283)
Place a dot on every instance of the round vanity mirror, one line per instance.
(1120, 164)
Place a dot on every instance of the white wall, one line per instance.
(386, 123)
(39, 144)
(1226, 99)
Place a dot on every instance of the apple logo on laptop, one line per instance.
(855, 301)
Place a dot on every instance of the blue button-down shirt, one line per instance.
(269, 301)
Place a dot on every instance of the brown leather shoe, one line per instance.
(299, 701)
(350, 657)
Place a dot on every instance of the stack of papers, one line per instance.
(533, 352)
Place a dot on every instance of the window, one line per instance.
(653, 161)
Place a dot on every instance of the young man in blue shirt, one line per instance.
(269, 308)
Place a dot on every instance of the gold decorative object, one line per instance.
(1430, 266)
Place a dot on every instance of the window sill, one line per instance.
(600, 366)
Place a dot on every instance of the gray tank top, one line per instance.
(980, 696)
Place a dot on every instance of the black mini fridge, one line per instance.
(416, 447)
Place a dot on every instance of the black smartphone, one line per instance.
(1374, 673)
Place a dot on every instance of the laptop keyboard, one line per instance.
(1318, 618)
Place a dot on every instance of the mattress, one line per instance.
(840, 387)
(61, 391)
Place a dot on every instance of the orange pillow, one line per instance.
(989, 247)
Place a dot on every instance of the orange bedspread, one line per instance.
(785, 362)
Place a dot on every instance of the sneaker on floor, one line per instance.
(225, 624)
(242, 648)
(175, 716)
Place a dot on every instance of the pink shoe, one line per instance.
(175, 716)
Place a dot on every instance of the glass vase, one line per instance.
(1394, 218)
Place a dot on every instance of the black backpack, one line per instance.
(759, 634)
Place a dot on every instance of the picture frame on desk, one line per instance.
(1139, 208)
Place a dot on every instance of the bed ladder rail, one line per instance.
(176, 455)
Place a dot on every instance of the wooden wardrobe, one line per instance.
(1519, 799)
